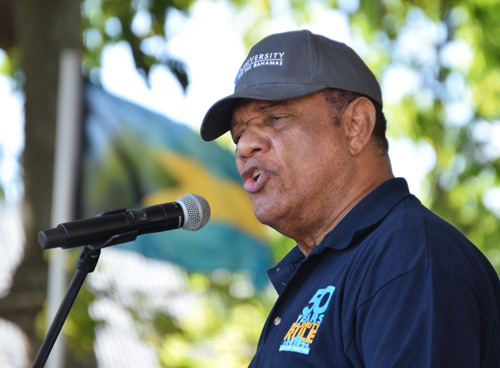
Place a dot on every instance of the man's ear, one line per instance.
(359, 122)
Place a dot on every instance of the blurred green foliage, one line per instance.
(137, 23)
(456, 106)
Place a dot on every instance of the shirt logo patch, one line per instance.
(303, 331)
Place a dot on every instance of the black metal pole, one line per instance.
(86, 263)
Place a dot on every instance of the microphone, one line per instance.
(190, 212)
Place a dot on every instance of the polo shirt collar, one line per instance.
(367, 213)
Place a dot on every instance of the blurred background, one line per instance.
(147, 71)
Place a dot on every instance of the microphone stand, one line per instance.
(86, 263)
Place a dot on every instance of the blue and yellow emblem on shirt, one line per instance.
(302, 333)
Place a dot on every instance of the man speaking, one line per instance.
(376, 279)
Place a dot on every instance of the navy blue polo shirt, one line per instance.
(393, 285)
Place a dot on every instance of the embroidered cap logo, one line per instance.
(258, 60)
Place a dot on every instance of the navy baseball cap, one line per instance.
(290, 65)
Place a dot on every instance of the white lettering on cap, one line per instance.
(258, 60)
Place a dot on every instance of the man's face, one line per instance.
(293, 159)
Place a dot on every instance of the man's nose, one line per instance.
(251, 142)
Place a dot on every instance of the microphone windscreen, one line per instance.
(196, 211)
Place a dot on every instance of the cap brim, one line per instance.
(218, 119)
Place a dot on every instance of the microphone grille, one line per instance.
(197, 211)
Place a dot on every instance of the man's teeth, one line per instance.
(256, 174)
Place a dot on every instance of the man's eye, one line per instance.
(275, 118)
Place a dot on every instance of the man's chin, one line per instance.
(267, 215)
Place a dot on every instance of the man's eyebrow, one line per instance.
(262, 106)
(271, 104)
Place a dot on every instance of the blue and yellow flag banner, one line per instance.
(136, 158)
